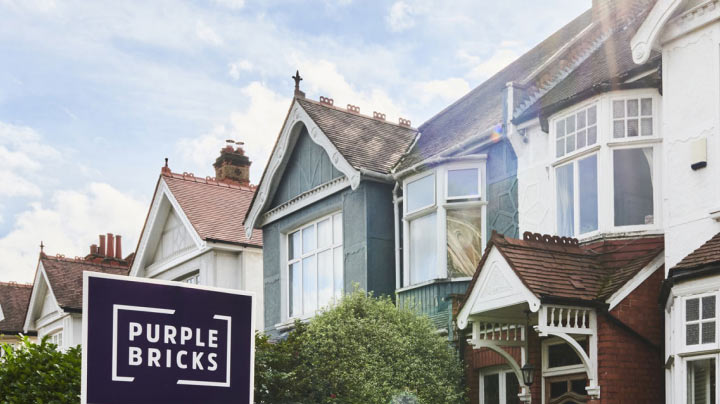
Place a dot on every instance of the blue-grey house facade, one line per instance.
(325, 207)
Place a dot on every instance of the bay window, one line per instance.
(701, 379)
(443, 222)
(609, 147)
(700, 324)
(315, 266)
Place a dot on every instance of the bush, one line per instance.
(38, 373)
(364, 350)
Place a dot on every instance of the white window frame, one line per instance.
(581, 107)
(576, 192)
(698, 347)
(502, 372)
(548, 372)
(604, 148)
(288, 262)
(56, 337)
(195, 275)
(628, 97)
(440, 207)
(683, 373)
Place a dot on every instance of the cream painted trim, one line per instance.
(305, 199)
(162, 192)
(517, 291)
(478, 344)
(690, 20)
(282, 152)
(39, 275)
(636, 281)
(647, 35)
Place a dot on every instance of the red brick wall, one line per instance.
(640, 310)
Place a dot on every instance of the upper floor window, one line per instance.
(193, 279)
(57, 339)
(443, 222)
(700, 320)
(315, 265)
(606, 170)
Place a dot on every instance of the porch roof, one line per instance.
(562, 268)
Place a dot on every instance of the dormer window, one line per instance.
(607, 147)
(443, 222)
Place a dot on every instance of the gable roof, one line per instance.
(216, 209)
(705, 256)
(65, 277)
(365, 142)
(14, 300)
(562, 268)
(574, 60)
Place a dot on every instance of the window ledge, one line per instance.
(636, 141)
(432, 282)
(594, 236)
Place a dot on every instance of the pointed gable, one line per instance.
(174, 239)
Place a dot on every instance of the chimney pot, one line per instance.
(101, 249)
(233, 165)
(109, 252)
(118, 247)
(93, 249)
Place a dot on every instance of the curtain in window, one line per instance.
(565, 207)
(633, 186)
(423, 248)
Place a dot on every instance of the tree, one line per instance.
(39, 373)
(364, 350)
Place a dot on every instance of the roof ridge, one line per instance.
(82, 260)
(322, 104)
(208, 180)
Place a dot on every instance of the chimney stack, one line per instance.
(118, 247)
(233, 164)
(93, 249)
(110, 246)
(101, 249)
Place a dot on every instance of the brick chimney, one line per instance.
(118, 247)
(617, 10)
(233, 164)
(101, 249)
(110, 252)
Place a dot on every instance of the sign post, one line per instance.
(151, 341)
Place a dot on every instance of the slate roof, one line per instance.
(554, 267)
(216, 209)
(706, 255)
(65, 276)
(14, 300)
(574, 60)
(365, 142)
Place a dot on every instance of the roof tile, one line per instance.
(14, 299)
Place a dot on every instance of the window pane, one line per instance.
(325, 277)
(632, 108)
(581, 119)
(587, 182)
(560, 128)
(295, 290)
(565, 205)
(692, 309)
(421, 193)
(578, 386)
(324, 230)
(464, 241)
(562, 355)
(592, 115)
(581, 139)
(632, 127)
(570, 145)
(708, 332)
(633, 186)
(462, 182)
(560, 148)
(557, 389)
(308, 239)
(701, 381)
(618, 129)
(337, 229)
(512, 389)
(570, 124)
(646, 105)
(646, 128)
(294, 245)
(618, 109)
(423, 248)
(491, 389)
(692, 334)
(338, 272)
(708, 307)
(592, 135)
(310, 295)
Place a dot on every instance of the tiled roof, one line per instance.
(216, 209)
(708, 254)
(562, 268)
(65, 276)
(14, 299)
(365, 142)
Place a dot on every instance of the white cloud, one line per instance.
(237, 67)
(257, 125)
(232, 4)
(68, 224)
(13, 185)
(447, 90)
(207, 34)
(401, 16)
(496, 62)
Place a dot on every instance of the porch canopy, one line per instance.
(556, 285)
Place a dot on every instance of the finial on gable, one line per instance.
(298, 79)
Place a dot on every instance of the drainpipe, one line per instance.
(396, 215)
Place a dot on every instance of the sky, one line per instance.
(95, 94)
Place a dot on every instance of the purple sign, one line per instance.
(150, 341)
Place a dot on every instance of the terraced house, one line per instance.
(541, 221)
